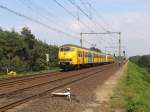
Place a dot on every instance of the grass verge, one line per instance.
(4, 75)
(133, 91)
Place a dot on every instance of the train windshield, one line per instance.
(66, 49)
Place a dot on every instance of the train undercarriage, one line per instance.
(66, 66)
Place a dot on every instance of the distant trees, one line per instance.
(143, 61)
(23, 52)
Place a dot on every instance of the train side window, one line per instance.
(61, 49)
(78, 54)
(66, 49)
(94, 55)
(86, 54)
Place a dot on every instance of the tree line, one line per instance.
(142, 61)
(24, 52)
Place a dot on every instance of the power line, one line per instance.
(78, 7)
(70, 13)
(40, 23)
(97, 14)
(86, 6)
(36, 21)
(87, 3)
(35, 7)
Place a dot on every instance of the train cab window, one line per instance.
(79, 53)
(61, 49)
(66, 49)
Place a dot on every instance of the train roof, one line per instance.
(81, 48)
(74, 46)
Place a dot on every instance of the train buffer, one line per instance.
(65, 93)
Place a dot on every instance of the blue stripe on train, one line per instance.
(89, 56)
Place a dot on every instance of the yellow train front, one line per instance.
(73, 56)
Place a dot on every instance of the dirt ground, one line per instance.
(103, 93)
(88, 95)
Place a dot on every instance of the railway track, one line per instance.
(53, 85)
(9, 81)
(54, 77)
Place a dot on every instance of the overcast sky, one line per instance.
(131, 17)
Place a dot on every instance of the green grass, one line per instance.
(2, 74)
(52, 69)
(133, 91)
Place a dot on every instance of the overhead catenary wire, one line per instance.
(104, 21)
(86, 6)
(97, 14)
(37, 21)
(37, 6)
(70, 13)
(79, 8)
(32, 6)
(95, 23)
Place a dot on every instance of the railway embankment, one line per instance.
(132, 92)
(104, 92)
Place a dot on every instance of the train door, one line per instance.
(89, 57)
(83, 57)
(78, 57)
(106, 58)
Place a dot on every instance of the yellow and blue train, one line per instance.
(73, 56)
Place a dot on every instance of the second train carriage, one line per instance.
(71, 56)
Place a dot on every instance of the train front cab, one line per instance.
(67, 58)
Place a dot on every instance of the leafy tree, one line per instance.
(23, 52)
(143, 61)
(1, 29)
(28, 37)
